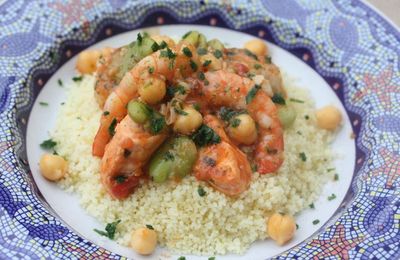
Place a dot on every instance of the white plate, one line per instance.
(42, 121)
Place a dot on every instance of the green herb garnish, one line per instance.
(257, 66)
(196, 106)
(315, 222)
(77, 79)
(252, 93)
(217, 54)
(120, 179)
(201, 76)
(303, 156)
(139, 38)
(312, 206)
(268, 59)
(201, 51)
(151, 70)
(211, 258)
(336, 177)
(48, 144)
(181, 258)
(201, 191)
(180, 111)
(106, 113)
(296, 100)
(205, 135)
(168, 54)
(278, 99)
(235, 122)
(111, 128)
(227, 114)
(110, 229)
(206, 63)
(332, 197)
(60, 83)
(157, 124)
(306, 117)
(331, 169)
(193, 65)
(150, 227)
(127, 152)
(162, 45)
(250, 54)
(187, 52)
(45, 104)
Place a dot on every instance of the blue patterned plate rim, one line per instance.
(351, 46)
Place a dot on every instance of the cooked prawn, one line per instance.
(170, 65)
(245, 63)
(125, 155)
(228, 89)
(223, 165)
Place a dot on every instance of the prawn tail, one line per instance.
(101, 140)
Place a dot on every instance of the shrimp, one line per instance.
(228, 89)
(223, 165)
(245, 63)
(125, 155)
(165, 64)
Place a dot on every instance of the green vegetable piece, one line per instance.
(192, 37)
(287, 116)
(175, 158)
(139, 112)
(48, 144)
(202, 41)
(216, 44)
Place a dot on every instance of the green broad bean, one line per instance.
(216, 44)
(175, 158)
(138, 111)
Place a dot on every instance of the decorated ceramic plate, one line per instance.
(320, 79)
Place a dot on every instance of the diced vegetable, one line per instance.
(216, 44)
(138, 112)
(202, 41)
(287, 115)
(196, 39)
(175, 158)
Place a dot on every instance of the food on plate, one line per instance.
(328, 117)
(200, 141)
(53, 167)
(281, 227)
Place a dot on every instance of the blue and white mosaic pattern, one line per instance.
(354, 49)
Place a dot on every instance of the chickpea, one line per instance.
(53, 167)
(257, 46)
(153, 91)
(160, 38)
(216, 64)
(328, 117)
(281, 228)
(242, 128)
(186, 124)
(144, 241)
(87, 61)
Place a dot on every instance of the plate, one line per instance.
(344, 53)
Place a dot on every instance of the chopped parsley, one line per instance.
(331, 169)
(180, 111)
(45, 104)
(227, 114)
(297, 226)
(48, 144)
(187, 52)
(196, 106)
(155, 47)
(171, 90)
(306, 117)
(60, 83)
(201, 191)
(332, 197)
(250, 54)
(120, 179)
(150, 227)
(257, 66)
(278, 99)
(252, 93)
(268, 59)
(205, 135)
(151, 70)
(202, 76)
(312, 206)
(110, 230)
(315, 222)
(206, 63)
(201, 51)
(168, 54)
(127, 152)
(181, 258)
(296, 100)
(211, 258)
(250, 75)
(157, 124)
(106, 113)
(168, 156)
(254, 167)
(77, 79)
(111, 128)
(235, 122)
(139, 38)
(193, 65)
(163, 45)
(217, 54)
(303, 156)
(336, 177)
